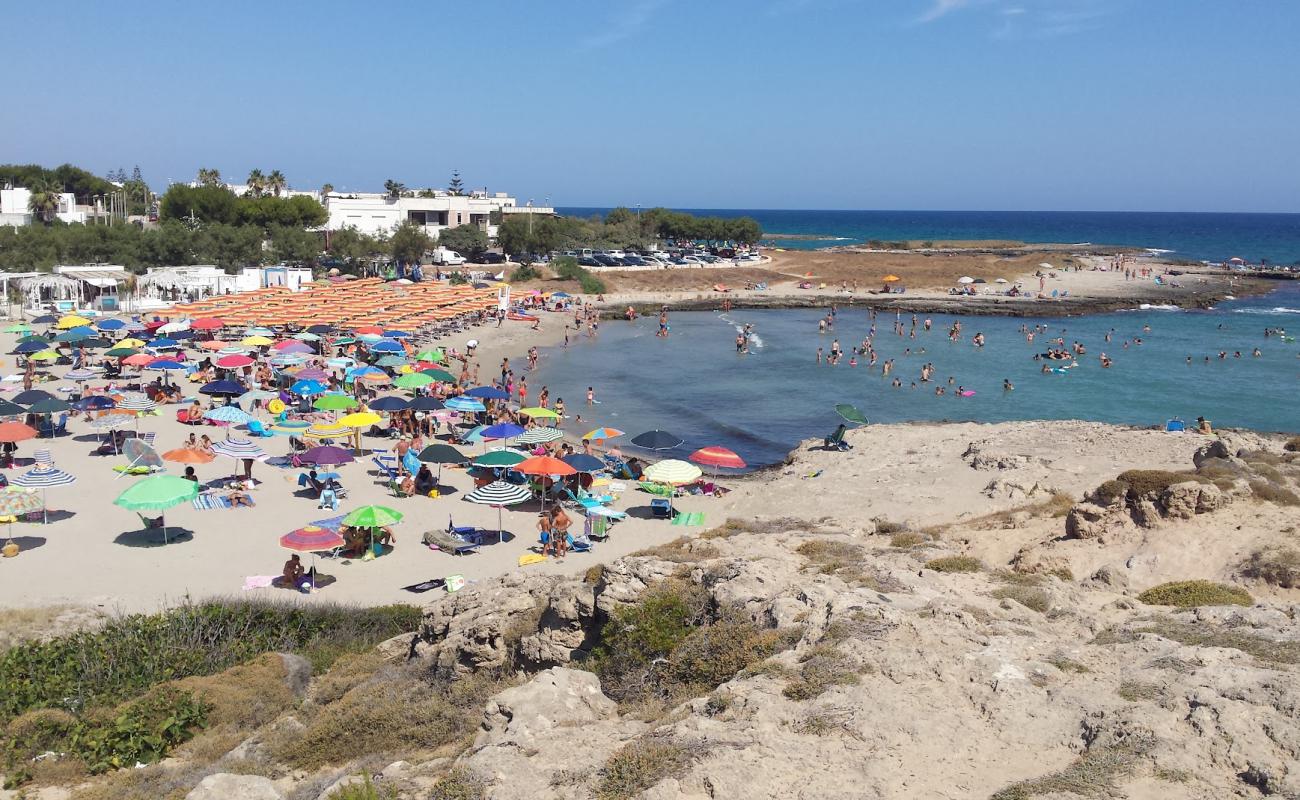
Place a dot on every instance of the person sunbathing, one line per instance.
(294, 575)
(238, 497)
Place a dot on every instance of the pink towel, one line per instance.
(258, 581)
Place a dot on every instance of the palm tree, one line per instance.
(394, 189)
(209, 176)
(44, 199)
(275, 182)
(256, 183)
(326, 189)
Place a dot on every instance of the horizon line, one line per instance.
(644, 207)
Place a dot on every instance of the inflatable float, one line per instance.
(515, 315)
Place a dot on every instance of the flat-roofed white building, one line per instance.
(374, 213)
(15, 208)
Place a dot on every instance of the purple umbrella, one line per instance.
(295, 347)
(325, 455)
(311, 374)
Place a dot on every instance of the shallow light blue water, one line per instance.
(762, 404)
(1192, 236)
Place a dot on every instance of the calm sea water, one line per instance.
(762, 404)
(1192, 236)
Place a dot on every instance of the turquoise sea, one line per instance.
(1191, 236)
(763, 403)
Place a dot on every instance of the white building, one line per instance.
(374, 213)
(15, 208)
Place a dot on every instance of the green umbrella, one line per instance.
(435, 354)
(850, 413)
(499, 458)
(121, 352)
(20, 327)
(372, 517)
(439, 375)
(334, 402)
(158, 493)
(32, 338)
(412, 380)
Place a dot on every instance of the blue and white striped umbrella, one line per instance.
(136, 401)
(43, 457)
(462, 403)
(233, 415)
(80, 375)
(499, 494)
(134, 327)
(45, 477)
(342, 362)
(259, 331)
(239, 449)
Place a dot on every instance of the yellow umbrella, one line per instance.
(539, 413)
(44, 355)
(129, 342)
(891, 279)
(257, 341)
(331, 430)
(361, 419)
(71, 321)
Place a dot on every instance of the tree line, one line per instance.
(524, 235)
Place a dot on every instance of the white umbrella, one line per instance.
(965, 279)
(240, 450)
(173, 327)
(539, 436)
(43, 478)
(1000, 280)
(500, 494)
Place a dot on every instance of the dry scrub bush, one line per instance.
(908, 539)
(821, 668)
(638, 765)
(1027, 596)
(1189, 594)
(955, 564)
(1279, 566)
(1094, 774)
(682, 550)
(1273, 493)
(459, 784)
(1134, 691)
(1292, 445)
(1201, 635)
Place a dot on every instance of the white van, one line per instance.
(448, 257)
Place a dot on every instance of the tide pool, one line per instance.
(761, 404)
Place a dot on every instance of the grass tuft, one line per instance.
(638, 765)
(1189, 594)
(955, 564)
(1279, 566)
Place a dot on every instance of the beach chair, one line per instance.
(386, 465)
(449, 542)
(150, 523)
(255, 428)
(661, 508)
(1175, 425)
(580, 544)
(395, 487)
(836, 440)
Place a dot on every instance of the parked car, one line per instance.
(589, 261)
(491, 258)
(634, 261)
(607, 261)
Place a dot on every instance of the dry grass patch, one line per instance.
(459, 784)
(682, 550)
(1189, 594)
(820, 669)
(1094, 774)
(846, 561)
(1066, 664)
(827, 722)
(1193, 635)
(955, 564)
(1271, 492)
(1028, 596)
(1279, 566)
(1135, 691)
(908, 540)
(640, 764)
(735, 525)
(19, 625)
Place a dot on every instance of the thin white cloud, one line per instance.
(940, 9)
(625, 25)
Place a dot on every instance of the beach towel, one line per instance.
(207, 502)
(689, 518)
(424, 586)
(259, 581)
(531, 558)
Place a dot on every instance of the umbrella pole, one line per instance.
(45, 507)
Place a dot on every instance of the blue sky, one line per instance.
(918, 104)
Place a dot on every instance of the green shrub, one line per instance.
(129, 654)
(909, 539)
(1279, 566)
(1141, 482)
(821, 668)
(1188, 594)
(1108, 492)
(1202, 635)
(365, 790)
(955, 564)
(524, 273)
(459, 784)
(567, 268)
(638, 765)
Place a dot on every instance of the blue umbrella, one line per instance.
(386, 346)
(584, 463)
(389, 404)
(391, 361)
(84, 330)
(307, 388)
(233, 415)
(31, 347)
(367, 370)
(425, 404)
(45, 319)
(475, 435)
(222, 389)
(110, 324)
(96, 402)
(168, 366)
(463, 403)
(396, 335)
(72, 336)
(163, 343)
(561, 294)
(503, 430)
(186, 334)
(488, 393)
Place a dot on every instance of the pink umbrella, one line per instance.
(234, 362)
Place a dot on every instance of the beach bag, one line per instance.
(455, 583)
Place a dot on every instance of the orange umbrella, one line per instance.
(544, 465)
(187, 455)
(16, 432)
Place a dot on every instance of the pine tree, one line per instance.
(456, 187)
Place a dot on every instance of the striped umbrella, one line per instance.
(462, 403)
(80, 375)
(716, 456)
(603, 433)
(43, 456)
(311, 539)
(240, 450)
(540, 436)
(111, 422)
(136, 401)
(499, 494)
(672, 472)
(16, 501)
(43, 477)
(231, 415)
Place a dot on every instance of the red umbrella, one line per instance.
(234, 361)
(17, 432)
(716, 456)
(311, 539)
(207, 324)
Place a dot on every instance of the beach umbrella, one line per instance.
(138, 360)
(110, 422)
(26, 398)
(440, 375)
(386, 346)
(1001, 280)
(16, 501)
(231, 415)
(235, 361)
(372, 517)
(603, 433)
(378, 376)
(163, 343)
(158, 493)
(716, 456)
(173, 327)
(503, 430)
(584, 463)
(110, 324)
(426, 404)
(673, 472)
(540, 436)
(499, 458)
(27, 348)
(43, 478)
(49, 405)
(18, 327)
(326, 430)
(167, 365)
(561, 295)
(222, 389)
(73, 336)
(188, 455)
(31, 337)
(389, 404)
(294, 347)
(71, 321)
(253, 395)
(341, 362)
(45, 319)
(389, 362)
(488, 393)
(334, 402)
(121, 352)
(441, 454)
(8, 409)
(44, 355)
(544, 465)
(965, 279)
(499, 494)
(850, 413)
(131, 342)
(320, 329)
(475, 434)
(306, 337)
(95, 402)
(360, 419)
(891, 279)
(81, 375)
(326, 455)
(537, 412)
(462, 403)
(311, 539)
(141, 454)
(657, 440)
(306, 388)
(312, 374)
(136, 401)
(413, 380)
(395, 334)
(240, 449)
(207, 324)
(291, 360)
(256, 340)
(435, 355)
